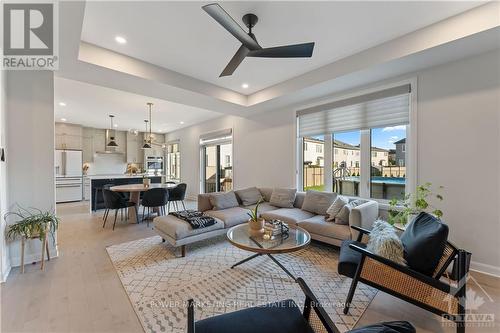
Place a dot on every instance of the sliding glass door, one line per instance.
(217, 167)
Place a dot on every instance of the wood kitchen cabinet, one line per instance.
(134, 152)
(68, 136)
(88, 144)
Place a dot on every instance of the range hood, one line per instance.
(109, 149)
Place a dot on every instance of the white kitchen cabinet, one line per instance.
(86, 188)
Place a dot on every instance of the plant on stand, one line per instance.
(402, 210)
(31, 224)
(255, 223)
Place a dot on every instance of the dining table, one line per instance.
(134, 191)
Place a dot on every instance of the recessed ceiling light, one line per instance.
(182, 123)
(63, 119)
(120, 40)
(115, 125)
(244, 85)
(62, 104)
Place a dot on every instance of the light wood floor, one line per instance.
(80, 291)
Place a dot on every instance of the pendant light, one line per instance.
(112, 142)
(147, 143)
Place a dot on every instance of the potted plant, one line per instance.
(255, 223)
(32, 223)
(403, 210)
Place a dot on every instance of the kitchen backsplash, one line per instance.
(107, 164)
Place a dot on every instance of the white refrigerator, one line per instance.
(69, 175)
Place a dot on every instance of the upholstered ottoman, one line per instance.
(178, 232)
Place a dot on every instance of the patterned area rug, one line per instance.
(159, 282)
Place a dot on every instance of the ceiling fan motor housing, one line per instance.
(250, 20)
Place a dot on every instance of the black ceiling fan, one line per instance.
(250, 47)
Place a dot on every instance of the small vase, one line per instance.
(256, 227)
(146, 182)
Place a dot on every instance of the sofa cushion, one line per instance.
(263, 207)
(349, 258)
(319, 226)
(280, 317)
(230, 216)
(424, 240)
(332, 211)
(318, 202)
(179, 229)
(223, 200)
(266, 193)
(288, 215)
(283, 197)
(249, 196)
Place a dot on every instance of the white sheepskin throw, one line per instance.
(385, 242)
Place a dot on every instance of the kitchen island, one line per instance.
(98, 181)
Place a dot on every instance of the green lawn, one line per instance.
(315, 188)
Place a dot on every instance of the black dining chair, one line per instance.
(113, 200)
(176, 194)
(154, 198)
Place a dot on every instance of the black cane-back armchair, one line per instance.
(283, 317)
(428, 254)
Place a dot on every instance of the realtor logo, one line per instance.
(29, 32)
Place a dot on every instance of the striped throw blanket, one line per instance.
(194, 218)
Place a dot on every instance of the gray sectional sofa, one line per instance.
(179, 233)
(362, 215)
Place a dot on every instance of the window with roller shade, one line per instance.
(362, 133)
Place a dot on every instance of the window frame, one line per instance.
(167, 144)
(365, 154)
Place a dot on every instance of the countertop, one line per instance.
(115, 176)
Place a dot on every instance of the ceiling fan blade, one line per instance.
(235, 61)
(224, 19)
(288, 51)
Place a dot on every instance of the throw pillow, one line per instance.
(385, 242)
(223, 200)
(249, 196)
(266, 193)
(424, 240)
(343, 216)
(318, 202)
(283, 197)
(332, 211)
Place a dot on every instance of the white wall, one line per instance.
(4, 250)
(458, 116)
(263, 150)
(30, 148)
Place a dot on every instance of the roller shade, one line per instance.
(212, 137)
(388, 107)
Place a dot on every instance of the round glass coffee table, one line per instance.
(295, 240)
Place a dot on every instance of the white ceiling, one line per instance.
(89, 105)
(180, 36)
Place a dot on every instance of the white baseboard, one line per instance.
(485, 268)
(5, 273)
